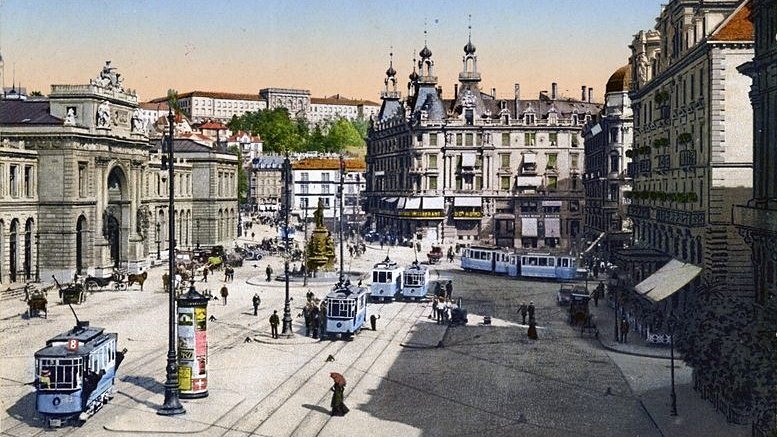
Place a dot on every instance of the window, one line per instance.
(303, 176)
(614, 135)
(478, 161)
(505, 160)
(613, 192)
(574, 205)
(304, 189)
(575, 141)
(432, 139)
(468, 139)
(504, 183)
(14, 175)
(529, 138)
(478, 182)
(552, 182)
(552, 157)
(325, 177)
(27, 181)
(325, 188)
(459, 183)
(433, 161)
(553, 138)
(505, 139)
(432, 182)
(573, 160)
(459, 139)
(614, 164)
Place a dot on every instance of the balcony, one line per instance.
(638, 211)
(664, 162)
(687, 158)
(682, 218)
(644, 166)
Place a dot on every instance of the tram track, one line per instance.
(298, 379)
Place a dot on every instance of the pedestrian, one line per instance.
(308, 320)
(205, 272)
(226, 274)
(624, 330)
(274, 321)
(532, 332)
(338, 389)
(596, 270)
(450, 254)
(322, 319)
(381, 243)
(530, 310)
(596, 297)
(268, 270)
(373, 321)
(316, 321)
(523, 309)
(256, 301)
(434, 309)
(448, 290)
(350, 250)
(252, 235)
(224, 293)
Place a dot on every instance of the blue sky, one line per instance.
(327, 47)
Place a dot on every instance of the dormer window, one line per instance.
(528, 118)
(575, 119)
(552, 116)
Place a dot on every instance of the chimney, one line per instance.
(455, 91)
(582, 90)
(493, 92)
(517, 99)
(439, 91)
(590, 95)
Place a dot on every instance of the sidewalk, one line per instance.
(604, 315)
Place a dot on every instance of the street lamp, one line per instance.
(672, 324)
(197, 224)
(158, 242)
(305, 249)
(286, 209)
(37, 257)
(172, 404)
(340, 198)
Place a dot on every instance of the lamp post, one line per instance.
(197, 224)
(672, 323)
(340, 199)
(158, 242)
(286, 210)
(305, 249)
(37, 257)
(172, 404)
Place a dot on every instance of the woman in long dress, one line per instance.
(338, 389)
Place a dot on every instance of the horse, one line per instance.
(140, 278)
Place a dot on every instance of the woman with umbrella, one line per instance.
(338, 406)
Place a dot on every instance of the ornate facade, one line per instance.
(80, 181)
(476, 168)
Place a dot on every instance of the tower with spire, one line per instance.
(390, 96)
(428, 104)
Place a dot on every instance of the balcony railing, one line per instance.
(664, 162)
(644, 166)
(687, 158)
(638, 211)
(682, 218)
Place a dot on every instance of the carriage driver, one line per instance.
(44, 380)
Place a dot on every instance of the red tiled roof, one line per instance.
(328, 164)
(736, 27)
(212, 125)
(155, 106)
(240, 133)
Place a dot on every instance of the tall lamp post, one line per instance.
(158, 242)
(197, 224)
(37, 257)
(672, 324)
(340, 199)
(172, 404)
(305, 249)
(286, 212)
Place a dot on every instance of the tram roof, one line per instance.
(57, 346)
(416, 268)
(348, 292)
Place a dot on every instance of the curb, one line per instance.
(636, 354)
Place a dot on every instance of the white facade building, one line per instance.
(206, 105)
(319, 178)
(334, 107)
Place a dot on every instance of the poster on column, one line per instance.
(193, 347)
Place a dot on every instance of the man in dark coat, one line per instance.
(624, 330)
(523, 309)
(449, 290)
(373, 321)
(268, 270)
(224, 293)
(530, 310)
(256, 300)
(274, 321)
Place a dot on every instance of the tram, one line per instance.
(386, 280)
(415, 282)
(346, 310)
(75, 374)
(527, 265)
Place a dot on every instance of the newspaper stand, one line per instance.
(192, 344)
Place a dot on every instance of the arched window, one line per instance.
(12, 253)
(28, 249)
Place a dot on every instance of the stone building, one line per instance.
(297, 102)
(757, 220)
(80, 180)
(201, 106)
(318, 178)
(605, 178)
(266, 182)
(334, 107)
(692, 161)
(477, 168)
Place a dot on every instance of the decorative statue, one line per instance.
(143, 217)
(468, 100)
(109, 79)
(104, 114)
(318, 215)
(70, 118)
(136, 123)
(642, 66)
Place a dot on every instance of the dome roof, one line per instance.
(413, 76)
(469, 48)
(391, 72)
(425, 53)
(620, 80)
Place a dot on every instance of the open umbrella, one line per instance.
(338, 378)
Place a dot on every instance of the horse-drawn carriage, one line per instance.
(435, 255)
(121, 280)
(36, 302)
(580, 315)
(74, 292)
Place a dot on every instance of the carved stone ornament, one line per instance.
(104, 115)
(143, 220)
(109, 79)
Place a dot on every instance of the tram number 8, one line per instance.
(72, 344)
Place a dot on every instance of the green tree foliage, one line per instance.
(278, 131)
(242, 175)
(36, 93)
(172, 100)
(343, 136)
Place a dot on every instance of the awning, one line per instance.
(433, 203)
(528, 227)
(551, 203)
(667, 280)
(474, 202)
(391, 199)
(530, 158)
(413, 203)
(553, 227)
(504, 216)
(598, 239)
(401, 203)
(467, 159)
(528, 181)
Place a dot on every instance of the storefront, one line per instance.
(421, 217)
(467, 215)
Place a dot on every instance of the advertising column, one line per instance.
(192, 345)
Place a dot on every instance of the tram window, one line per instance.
(543, 262)
(382, 277)
(564, 262)
(532, 260)
(374, 276)
(388, 277)
(551, 261)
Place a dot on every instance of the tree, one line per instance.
(36, 93)
(344, 137)
(172, 100)
(278, 131)
(242, 176)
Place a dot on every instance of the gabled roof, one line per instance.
(27, 112)
(328, 164)
(154, 106)
(240, 134)
(738, 26)
(213, 125)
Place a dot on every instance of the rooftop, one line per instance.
(329, 164)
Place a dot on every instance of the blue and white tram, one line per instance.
(546, 265)
(346, 310)
(486, 259)
(74, 374)
(416, 282)
(386, 280)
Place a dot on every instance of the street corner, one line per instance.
(201, 415)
